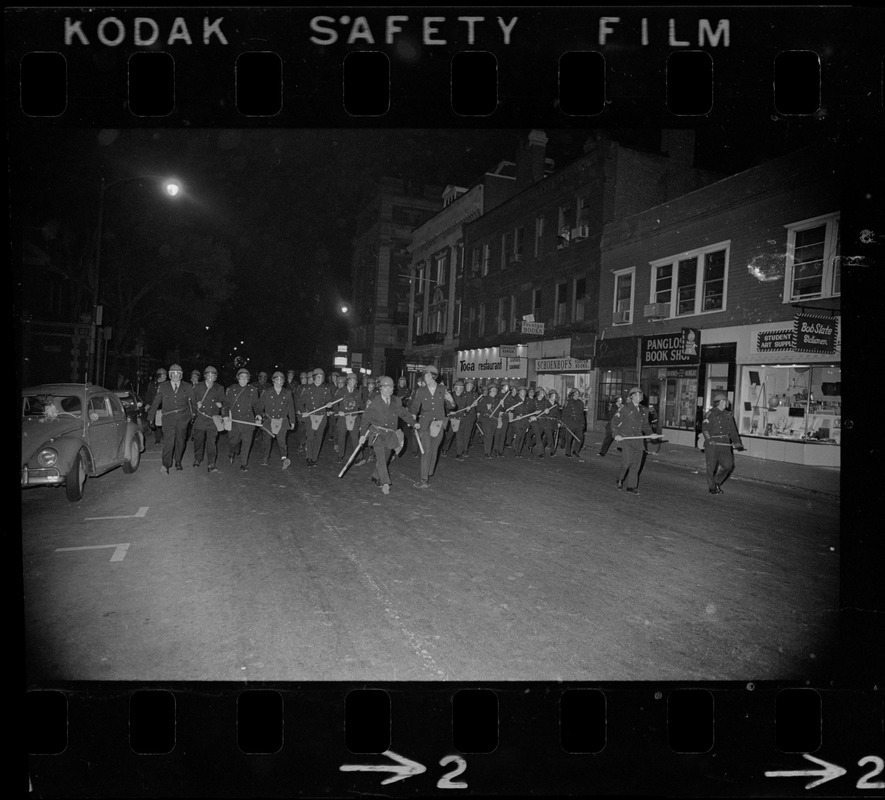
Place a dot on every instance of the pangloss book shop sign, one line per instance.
(672, 349)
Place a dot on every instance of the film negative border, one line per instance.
(499, 739)
(311, 68)
(431, 67)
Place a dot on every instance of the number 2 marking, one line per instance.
(878, 766)
(445, 782)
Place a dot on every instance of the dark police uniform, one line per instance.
(313, 397)
(178, 407)
(430, 408)
(631, 420)
(273, 405)
(383, 439)
(210, 402)
(351, 402)
(242, 404)
(488, 421)
(720, 435)
(574, 419)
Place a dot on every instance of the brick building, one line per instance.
(437, 253)
(734, 287)
(380, 273)
(532, 265)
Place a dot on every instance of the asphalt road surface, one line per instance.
(505, 569)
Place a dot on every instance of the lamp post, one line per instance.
(172, 188)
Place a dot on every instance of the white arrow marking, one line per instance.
(407, 769)
(828, 773)
(142, 511)
(119, 549)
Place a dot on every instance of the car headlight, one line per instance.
(47, 457)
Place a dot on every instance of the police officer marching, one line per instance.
(347, 417)
(489, 409)
(429, 404)
(276, 413)
(380, 424)
(312, 407)
(208, 422)
(175, 399)
(631, 427)
(720, 436)
(241, 400)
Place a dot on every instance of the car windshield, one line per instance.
(50, 406)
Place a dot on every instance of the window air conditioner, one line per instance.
(622, 316)
(656, 310)
(515, 258)
(581, 232)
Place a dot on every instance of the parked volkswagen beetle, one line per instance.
(71, 431)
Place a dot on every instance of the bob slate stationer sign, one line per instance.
(811, 333)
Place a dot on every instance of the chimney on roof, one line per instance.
(531, 160)
(678, 145)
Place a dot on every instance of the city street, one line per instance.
(505, 569)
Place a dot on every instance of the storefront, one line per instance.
(669, 377)
(616, 365)
(564, 374)
(790, 391)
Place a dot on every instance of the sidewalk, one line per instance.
(825, 480)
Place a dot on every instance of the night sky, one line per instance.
(266, 220)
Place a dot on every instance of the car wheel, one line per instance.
(76, 479)
(131, 464)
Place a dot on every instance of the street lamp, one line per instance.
(172, 188)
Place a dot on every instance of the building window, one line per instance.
(713, 282)
(459, 257)
(536, 304)
(482, 319)
(456, 319)
(442, 266)
(506, 248)
(623, 300)
(813, 264)
(580, 299)
(518, 243)
(475, 259)
(566, 217)
(560, 312)
(419, 286)
(514, 320)
(539, 234)
(486, 258)
(502, 315)
(419, 324)
(693, 283)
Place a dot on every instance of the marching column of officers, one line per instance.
(530, 421)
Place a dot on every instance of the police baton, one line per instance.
(356, 450)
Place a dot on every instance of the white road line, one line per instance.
(142, 511)
(119, 549)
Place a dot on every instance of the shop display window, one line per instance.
(678, 399)
(796, 401)
(613, 383)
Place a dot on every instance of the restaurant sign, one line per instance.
(562, 365)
